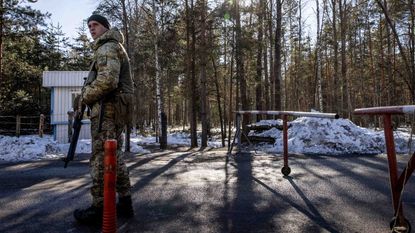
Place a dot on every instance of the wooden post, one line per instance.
(41, 125)
(18, 123)
(127, 138)
(238, 130)
(71, 115)
(163, 136)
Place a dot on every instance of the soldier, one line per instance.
(108, 93)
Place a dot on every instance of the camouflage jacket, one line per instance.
(112, 70)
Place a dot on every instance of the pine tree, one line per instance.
(25, 54)
(80, 54)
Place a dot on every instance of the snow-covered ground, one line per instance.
(305, 135)
(33, 147)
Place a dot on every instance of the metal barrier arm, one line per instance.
(290, 113)
(396, 184)
(393, 110)
(286, 170)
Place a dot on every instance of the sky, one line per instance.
(67, 13)
(70, 13)
(306, 135)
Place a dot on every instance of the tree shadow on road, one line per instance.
(243, 207)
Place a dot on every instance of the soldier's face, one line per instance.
(96, 29)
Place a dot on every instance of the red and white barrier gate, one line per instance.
(286, 170)
(396, 183)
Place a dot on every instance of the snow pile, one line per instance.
(28, 148)
(331, 137)
(33, 147)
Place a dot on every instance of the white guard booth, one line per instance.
(65, 85)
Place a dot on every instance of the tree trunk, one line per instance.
(125, 25)
(203, 61)
(388, 67)
(157, 64)
(258, 91)
(277, 64)
(240, 73)
(265, 66)
(226, 82)
(222, 127)
(411, 8)
(193, 100)
(335, 95)
(170, 120)
(190, 72)
(410, 79)
(1, 40)
(230, 109)
(345, 95)
(319, 94)
(371, 68)
(298, 97)
(381, 61)
(271, 59)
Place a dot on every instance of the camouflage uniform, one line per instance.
(112, 79)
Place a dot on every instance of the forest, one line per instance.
(197, 61)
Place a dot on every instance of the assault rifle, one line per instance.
(78, 118)
(74, 140)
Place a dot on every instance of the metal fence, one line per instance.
(25, 125)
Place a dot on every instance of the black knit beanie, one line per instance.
(100, 19)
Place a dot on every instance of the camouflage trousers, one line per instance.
(109, 130)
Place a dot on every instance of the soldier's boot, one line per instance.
(90, 215)
(125, 207)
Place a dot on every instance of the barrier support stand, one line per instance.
(399, 223)
(393, 167)
(41, 125)
(285, 170)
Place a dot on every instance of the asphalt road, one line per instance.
(182, 190)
